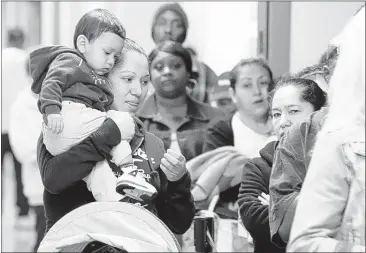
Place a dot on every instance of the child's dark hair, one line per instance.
(96, 22)
(174, 48)
(310, 90)
(251, 61)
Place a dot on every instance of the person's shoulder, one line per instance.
(14, 58)
(13, 51)
(208, 109)
(317, 118)
(223, 119)
(69, 56)
(265, 161)
(26, 100)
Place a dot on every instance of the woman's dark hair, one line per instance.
(96, 22)
(251, 61)
(174, 48)
(310, 90)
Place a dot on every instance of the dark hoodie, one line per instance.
(65, 189)
(60, 73)
(254, 215)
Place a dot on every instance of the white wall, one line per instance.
(313, 24)
(222, 33)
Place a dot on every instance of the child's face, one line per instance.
(101, 53)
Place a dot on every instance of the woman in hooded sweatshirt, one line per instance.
(293, 100)
(62, 175)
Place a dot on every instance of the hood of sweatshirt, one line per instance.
(40, 61)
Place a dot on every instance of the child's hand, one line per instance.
(55, 123)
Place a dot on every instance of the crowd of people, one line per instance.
(285, 155)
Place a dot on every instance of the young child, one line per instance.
(75, 97)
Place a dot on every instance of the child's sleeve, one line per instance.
(56, 81)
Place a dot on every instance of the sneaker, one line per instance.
(133, 184)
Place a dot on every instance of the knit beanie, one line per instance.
(177, 9)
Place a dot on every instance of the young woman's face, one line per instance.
(130, 82)
(251, 90)
(169, 75)
(288, 108)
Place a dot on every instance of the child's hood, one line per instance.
(40, 61)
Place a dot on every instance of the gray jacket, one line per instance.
(330, 214)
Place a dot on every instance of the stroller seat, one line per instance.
(109, 227)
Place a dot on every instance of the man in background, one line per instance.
(23, 141)
(220, 97)
(13, 80)
(170, 22)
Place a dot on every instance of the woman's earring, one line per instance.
(192, 83)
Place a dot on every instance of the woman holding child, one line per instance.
(63, 174)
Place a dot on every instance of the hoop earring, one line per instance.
(192, 83)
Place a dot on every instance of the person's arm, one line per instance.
(61, 171)
(218, 134)
(322, 202)
(288, 173)
(175, 203)
(253, 213)
(56, 81)
(176, 207)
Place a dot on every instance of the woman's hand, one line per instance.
(264, 199)
(173, 165)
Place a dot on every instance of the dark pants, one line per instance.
(22, 201)
(40, 225)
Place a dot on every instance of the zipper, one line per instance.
(164, 225)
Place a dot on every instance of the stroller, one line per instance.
(109, 227)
